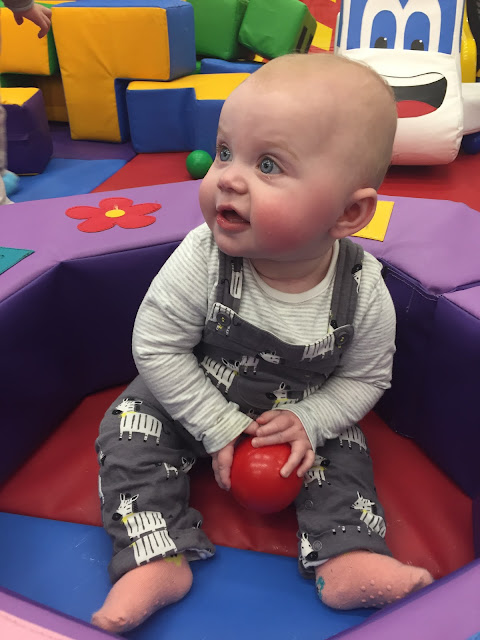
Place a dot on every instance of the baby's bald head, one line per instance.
(349, 105)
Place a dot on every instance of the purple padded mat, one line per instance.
(433, 241)
(65, 147)
(43, 227)
(48, 620)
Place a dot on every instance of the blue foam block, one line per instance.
(215, 65)
(207, 115)
(66, 178)
(236, 595)
(161, 120)
(172, 120)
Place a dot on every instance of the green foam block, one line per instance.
(217, 23)
(274, 29)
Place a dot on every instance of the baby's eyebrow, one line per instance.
(284, 146)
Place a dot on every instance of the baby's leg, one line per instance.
(144, 489)
(342, 530)
(155, 585)
(365, 579)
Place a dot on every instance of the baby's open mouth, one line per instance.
(232, 216)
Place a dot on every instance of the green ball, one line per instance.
(198, 163)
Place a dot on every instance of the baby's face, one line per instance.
(277, 184)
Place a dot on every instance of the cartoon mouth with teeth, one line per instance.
(418, 95)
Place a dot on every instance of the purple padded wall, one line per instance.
(67, 311)
(447, 610)
(55, 304)
(430, 254)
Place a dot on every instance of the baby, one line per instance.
(266, 320)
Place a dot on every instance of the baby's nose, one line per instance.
(232, 178)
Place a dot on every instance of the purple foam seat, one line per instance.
(29, 142)
(430, 253)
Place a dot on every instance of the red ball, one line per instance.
(256, 480)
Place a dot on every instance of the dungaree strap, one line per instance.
(344, 296)
(345, 288)
(230, 279)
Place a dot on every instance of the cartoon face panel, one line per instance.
(414, 45)
(418, 25)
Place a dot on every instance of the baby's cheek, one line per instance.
(281, 233)
(206, 199)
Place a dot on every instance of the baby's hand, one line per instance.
(222, 460)
(39, 15)
(275, 427)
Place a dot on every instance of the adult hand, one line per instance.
(276, 427)
(39, 15)
(223, 458)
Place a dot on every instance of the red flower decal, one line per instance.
(114, 211)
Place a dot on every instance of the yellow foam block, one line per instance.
(54, 97)
(323, 37)
(207, 86)
(468, 52)
(95, 46)
(377, 227)
(17, 95)
(22, 51)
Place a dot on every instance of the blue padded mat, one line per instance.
(66, 177)
(236, 595)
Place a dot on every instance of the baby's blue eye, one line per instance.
(224, 154)
(267, 165)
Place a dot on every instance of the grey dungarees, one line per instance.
(145, 455)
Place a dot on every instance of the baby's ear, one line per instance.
(357, 214)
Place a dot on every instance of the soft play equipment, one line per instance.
(29, 142)
(473, 12)
(22, 51)
(125, 39)
(439, 293)
(468, 52)
(217, 607)
(214, 65)
(418, 53)
(186, 111)
(216, 28)
(274, 29)
(81, 294)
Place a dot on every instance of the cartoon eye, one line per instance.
(418, 45)
(417, 32)
(384, 31)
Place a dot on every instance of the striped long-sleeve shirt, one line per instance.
(172, 316)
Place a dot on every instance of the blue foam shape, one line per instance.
(66, 178)
(162, 120)
(215, 65)
(172, 120)
(236, 595)
(207, 115)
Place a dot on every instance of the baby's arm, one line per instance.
(36, 13)
(168, 326)
(357, 385)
